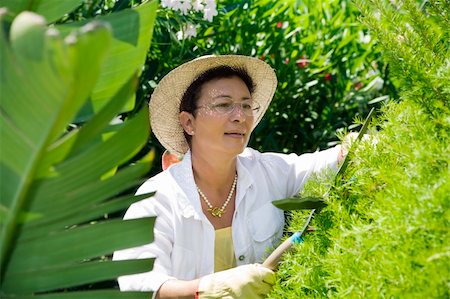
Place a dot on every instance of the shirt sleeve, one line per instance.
(290, 172)
(163, 243)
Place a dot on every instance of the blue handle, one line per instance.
(296, 238)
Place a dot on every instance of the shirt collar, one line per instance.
(190, 205)
(184, 176)
(245, 180)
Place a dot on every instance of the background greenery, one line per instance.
(328, 71)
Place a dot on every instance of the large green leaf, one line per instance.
(110, 294)
(128, 45)
(50, 278)
(78, 139)
(42, 90)
(64, 247)
(53, 184)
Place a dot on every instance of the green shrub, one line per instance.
(385, 232)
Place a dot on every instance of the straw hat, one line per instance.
(166, 98)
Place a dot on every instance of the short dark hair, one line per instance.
(192, 93)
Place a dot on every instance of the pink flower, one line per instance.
(279, 24)
(302, 62)
(328, 77)
(286, 60)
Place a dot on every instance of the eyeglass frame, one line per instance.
(215, 107)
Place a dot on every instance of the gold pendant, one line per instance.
(216, 212)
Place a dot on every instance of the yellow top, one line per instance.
(223, 250)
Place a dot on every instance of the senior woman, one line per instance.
(215, 219)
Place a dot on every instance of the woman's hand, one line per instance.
(252, 281)
(346, 145)
(348, 141)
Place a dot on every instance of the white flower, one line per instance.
(166, 3)
(197, 5)
(185, 7)
(116, 120)
(209, 14)
(209, 7)
(377, 15)
(176, 4)
(210, 3)
(210, 10)
(189, 30)
(364, 38)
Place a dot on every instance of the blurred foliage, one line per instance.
(59, 182)
(92, 8)
(385, 232)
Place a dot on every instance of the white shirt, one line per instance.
(183, 236)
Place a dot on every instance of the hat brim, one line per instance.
(166, 98)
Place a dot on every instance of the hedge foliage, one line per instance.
(385, 233)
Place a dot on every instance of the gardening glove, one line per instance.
(350, 138)
(252, 281)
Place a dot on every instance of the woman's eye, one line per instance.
(247, 106)
(223, 105)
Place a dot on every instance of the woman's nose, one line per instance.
(238, 113)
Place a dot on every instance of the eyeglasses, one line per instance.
(249, 108)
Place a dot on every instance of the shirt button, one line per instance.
(241, 258)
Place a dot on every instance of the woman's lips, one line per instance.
(235, 134)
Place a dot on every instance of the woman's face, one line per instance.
(216, 128)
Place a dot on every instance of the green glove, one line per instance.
(249, 281)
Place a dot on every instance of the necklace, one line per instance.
(216, 211)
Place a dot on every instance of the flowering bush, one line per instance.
(185, 7)
(208, 7)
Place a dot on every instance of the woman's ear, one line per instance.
(187, 122)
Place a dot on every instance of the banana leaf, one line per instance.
(132, 31)
(128, 45)
(54, 192)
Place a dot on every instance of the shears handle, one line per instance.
(274, 258)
